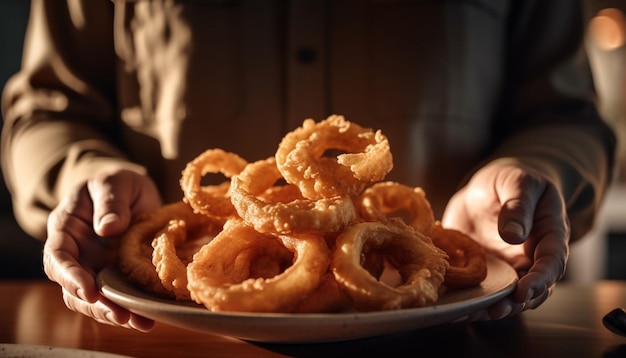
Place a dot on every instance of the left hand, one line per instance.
(83, 237)
(519, 216)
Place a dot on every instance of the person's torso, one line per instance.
(238, 75)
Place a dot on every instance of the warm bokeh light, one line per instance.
(608, 29)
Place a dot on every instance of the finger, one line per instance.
(539, 300)
(504, 308)
(140, 323)
(509, 307)
(71, 276)
(61, 266)
(111, 206)
(540, 279)
(482, 315)
(536, 285)
(98, 310)
(519, 193)
(107, 312)
(532, 290)
(549, 246)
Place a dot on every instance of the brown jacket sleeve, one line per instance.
(58, 110)
(550, 121)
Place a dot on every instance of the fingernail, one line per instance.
(514, 228)
(81, 294)
(110, 317)
(529, 295)
(108, 219)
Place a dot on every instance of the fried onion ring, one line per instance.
(468, 260)
(328, 297)
(421, 266)
(171, 269)
(300, 158)
(311, 229)
(219, 275)
(136, 251)
(174, 248)
(385, 199)
(247, 190)
(211, 199)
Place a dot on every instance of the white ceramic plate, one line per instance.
(309, 328)
(28, 350)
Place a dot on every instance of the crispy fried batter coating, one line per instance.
(468, 261)
(322, 215)
(303, 231)
(301, 159)
(421, 265)
(136, 250)
(210, 199)
(220, 274)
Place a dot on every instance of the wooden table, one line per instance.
(568, 325)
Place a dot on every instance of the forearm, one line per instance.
(45, 162)
(548, 119)
(58, 110)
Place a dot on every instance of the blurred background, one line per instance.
(20, 255)
(602, 255)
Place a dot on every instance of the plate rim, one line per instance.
(436, 314)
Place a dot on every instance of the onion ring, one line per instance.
(386, 198)
(246, 193)
(468, 260)
(328, 297)
(211, 199)
(172, 271)
(311, 229)
(219, 274)
(300, 158)
(421, 266)
(136, 251)
(174, 248)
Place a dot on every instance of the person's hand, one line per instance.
(518, 215)
(81, 241)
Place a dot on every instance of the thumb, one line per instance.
(111, 206)
(519, 193)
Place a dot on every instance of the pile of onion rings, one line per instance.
(302, 231)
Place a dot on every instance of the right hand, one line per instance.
(504, 193)
(82, 239)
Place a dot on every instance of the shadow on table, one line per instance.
(617, 352)
(492, 339)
